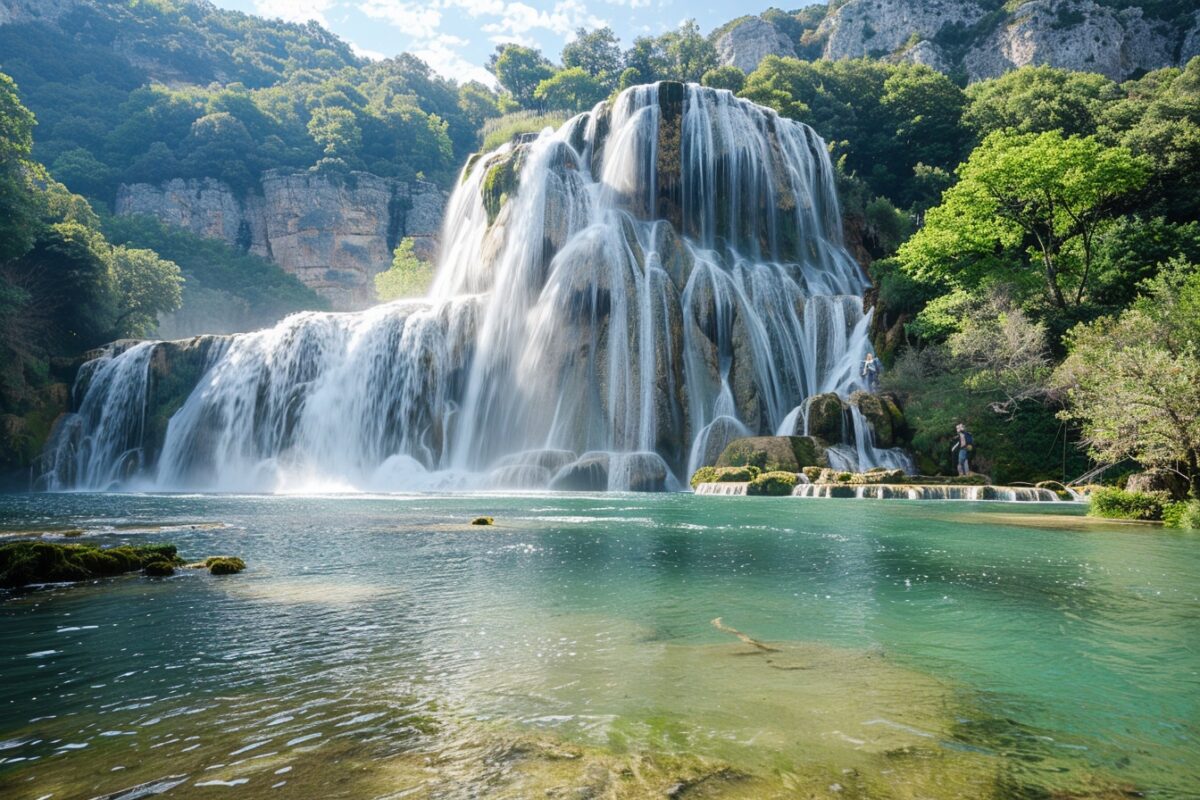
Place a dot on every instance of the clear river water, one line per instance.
(605, 646)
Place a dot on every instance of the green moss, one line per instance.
(1113, 503)
(224, 565)
(812, 473)
(724, 475)
(158, 569)
(704, 475)
(500, 183)
(772, 484)
(27, 562)
(483, 521)
(773, 453)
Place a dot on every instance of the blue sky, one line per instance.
(456, 36)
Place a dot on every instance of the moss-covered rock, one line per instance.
(826, 417)
(483, 521)
(26, 562)
(158, 569)
(501, 181)
(772, 484)
(724, 475)
(774, 453)
(224, 565)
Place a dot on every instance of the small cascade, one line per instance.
(885, 491)
(726, 489)
(657, 277)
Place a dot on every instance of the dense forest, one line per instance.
(1033, 239)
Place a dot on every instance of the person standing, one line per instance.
(965, 446)
(870, 372)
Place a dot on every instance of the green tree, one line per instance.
(478, 103)
(146, 285)
(18, 215)
(1039, 99)
(689, 53)
(648, 59)
(598, 53)
(1022, 202)
(408, 276)
(570, 90)
(1133, 381)
(336, 132)
(519, 70)
(726, 77)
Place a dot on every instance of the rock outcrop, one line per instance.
(747, 42)
(1073, 34)
(984, 42)
(333, 232)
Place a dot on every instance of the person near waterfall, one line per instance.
(870, 371)
(965, 446)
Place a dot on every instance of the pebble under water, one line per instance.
(605, 646)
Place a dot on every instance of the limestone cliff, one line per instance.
(749, 41)
(333, 232)
(981, 38)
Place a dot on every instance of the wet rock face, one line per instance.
(588, 474)
(333, 232)
(750, 41)
(827, 417)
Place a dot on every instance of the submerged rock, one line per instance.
(483, 521)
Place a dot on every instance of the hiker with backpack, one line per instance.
(965, 447)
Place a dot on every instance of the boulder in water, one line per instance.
(588, 474)
(717, 436)
(26, 562)
(552, 460)
(774, 453)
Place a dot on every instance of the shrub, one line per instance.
(483, 521)
(1113, 503)
(1184, 514)
(704, 475)
(772, 484)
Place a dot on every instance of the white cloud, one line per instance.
(419, 20)
(519, 18)
(440, 54)
(370, 55)
(295, 10)
(634, 3)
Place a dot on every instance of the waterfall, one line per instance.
(613, 301)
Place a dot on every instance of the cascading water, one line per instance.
(615, 300)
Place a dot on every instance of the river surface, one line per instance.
(606, 646)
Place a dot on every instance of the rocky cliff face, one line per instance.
(750, 41)
(981, 40)
(19, 12)
(332, 232)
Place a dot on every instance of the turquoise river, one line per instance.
(605, 646)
